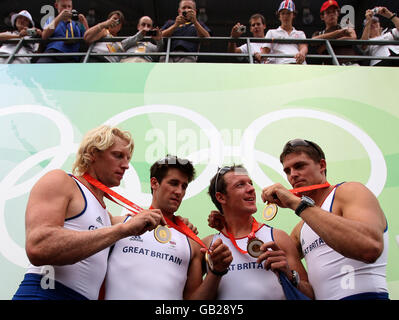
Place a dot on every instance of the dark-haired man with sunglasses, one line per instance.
(343, 233)
(260, 253)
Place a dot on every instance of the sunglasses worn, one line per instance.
(222, 171)
(306, 143)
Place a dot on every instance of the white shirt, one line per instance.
(255, 47)
(381, 50)
(28, 48)
(246, 279)
(334, 276)
(87, 275)
(141, 268)
(283, 48)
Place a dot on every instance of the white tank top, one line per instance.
(334, 276)
(141, 268)
(86, 276)
(246, 279)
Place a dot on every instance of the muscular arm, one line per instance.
(48, 242)
(285, 243)
(356, 227)
(196, 289)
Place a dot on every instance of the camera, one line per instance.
(242, 29)
(185, 14)
(151, 33)
(75, 15)
(375, 10)
(31, 32)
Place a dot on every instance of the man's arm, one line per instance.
(282, 255)
(65, 15)
(196, 289)
(355, 227)
(48, 242)
(232, 46)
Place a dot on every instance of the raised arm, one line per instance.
(51, 200)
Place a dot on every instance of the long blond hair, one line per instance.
(100, 138)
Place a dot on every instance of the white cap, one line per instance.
(23, 13)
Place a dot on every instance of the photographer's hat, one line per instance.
(287, 5)
(23, 13)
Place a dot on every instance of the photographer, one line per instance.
(107, 29)
(185, 25)
(373, 31)
(24, 27)
(257, 24)
(68, 24)
(135, 44)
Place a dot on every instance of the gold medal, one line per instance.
(162, 234)
(208, 260)
(253, 247)
(269, 211)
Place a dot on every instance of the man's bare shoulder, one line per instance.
(54, 181)
(349, 189)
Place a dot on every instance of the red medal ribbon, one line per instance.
(297, 191)
(251, 235)
(179, 226)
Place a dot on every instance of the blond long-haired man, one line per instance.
(68, 228)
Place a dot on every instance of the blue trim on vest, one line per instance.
(332, 202)
(31, 289)
(368, 296)
(84, 197)
(271, 232)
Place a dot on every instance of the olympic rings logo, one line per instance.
(214, 155)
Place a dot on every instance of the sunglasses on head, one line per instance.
(306, 143)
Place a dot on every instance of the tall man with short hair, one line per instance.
(68, 228)
(343, 235)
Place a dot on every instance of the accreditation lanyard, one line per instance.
(67, 30)
(251, 235)
(179, 225)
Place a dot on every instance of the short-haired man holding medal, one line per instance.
(166, 264)
(251, 243)
(343, 233)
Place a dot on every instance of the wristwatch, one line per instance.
(295, 278)
(305, 203)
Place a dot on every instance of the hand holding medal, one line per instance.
(269, 195)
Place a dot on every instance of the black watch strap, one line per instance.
(219, 273)
(302, 206)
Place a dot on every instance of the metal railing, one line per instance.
(167, 53)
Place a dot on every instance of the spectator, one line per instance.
(372, 30)
(185, 25)
(329, 13)
(257, 23)
(106, 29)
(65, 25)
(286, 14)
(24, 27)
(135, 44)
